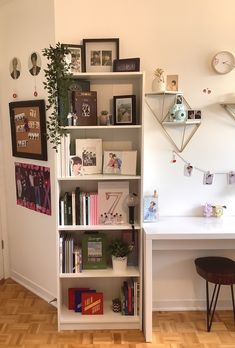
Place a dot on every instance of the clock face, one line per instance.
(223, 62)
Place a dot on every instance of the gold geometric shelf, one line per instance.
(230, 107)
(183, 131)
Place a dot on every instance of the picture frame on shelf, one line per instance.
(120, 162)
(28, 129)
(126, 65)
(112, 204)
(100, 54)
(172, 83)
(124, 109)
(94, 247)
(75, 58)
(150, 209)
(90, 153)
(194, 114)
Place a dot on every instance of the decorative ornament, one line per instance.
(158, 84)
(207, 210)
(116, 305)
(14, 95)
(173, 160)
(35, 94)
(206, 90)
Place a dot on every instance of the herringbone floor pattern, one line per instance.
(26, 321)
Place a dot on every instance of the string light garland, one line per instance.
(208, 176)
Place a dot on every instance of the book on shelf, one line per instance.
(71, 296)
(64, 155)
(94, 250)
(78, 299)
(70, 254)
(129, 297)
(92, 303)
(131, 238)
(90, 153)
(85, 107)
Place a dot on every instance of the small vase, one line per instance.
(119, 263)
(158, 86)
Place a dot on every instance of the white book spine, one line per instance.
(60, 254)
(62, 212)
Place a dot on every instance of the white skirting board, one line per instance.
(35, 288)
(189, 305)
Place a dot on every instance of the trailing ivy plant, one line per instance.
(58, 82)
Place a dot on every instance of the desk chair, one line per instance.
(219, 271)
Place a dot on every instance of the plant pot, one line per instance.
(158, 86)
(119, 263)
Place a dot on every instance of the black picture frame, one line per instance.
(124, 109)
(126, 65)
(100, 54)
(28, 129)
(76, 58)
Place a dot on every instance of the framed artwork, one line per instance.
(28, 129)
(33, 187)
(172, 83)
(94, 251)
(120, 162)
(15, 68)
(75, 58)
(90, 153)
(100, 54)
(112, 200)
(129, 64)
(150, 209)
(34, 63)
(124, 108)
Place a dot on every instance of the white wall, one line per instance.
(181, 37)
(26, 26)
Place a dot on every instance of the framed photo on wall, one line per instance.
(124, 109)
(75, 58)
(28, 129)
(100, 54)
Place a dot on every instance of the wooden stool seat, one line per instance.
(219, 271)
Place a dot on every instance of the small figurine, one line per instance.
(218, 210)
(207, 210)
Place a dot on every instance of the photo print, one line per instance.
(208, 178)
(89, 151)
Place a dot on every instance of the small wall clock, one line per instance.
(223, 62)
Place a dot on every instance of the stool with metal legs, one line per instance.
(219, 271)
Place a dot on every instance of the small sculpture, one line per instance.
(207, 210)
(218, 210)
(177, 113)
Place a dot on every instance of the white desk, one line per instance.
(181, 233)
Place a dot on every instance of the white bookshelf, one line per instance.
(114, 137)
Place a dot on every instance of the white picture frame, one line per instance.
(90, 152)
(112, 201)
(120, 162)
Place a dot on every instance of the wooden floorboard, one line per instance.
(29, 322)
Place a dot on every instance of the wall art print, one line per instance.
(33, 187)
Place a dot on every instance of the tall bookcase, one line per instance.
(114, 137)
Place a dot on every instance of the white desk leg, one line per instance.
(148, 296)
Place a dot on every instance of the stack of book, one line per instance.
(78, 208)
(130, 291)
(70, 255)
(85, 301)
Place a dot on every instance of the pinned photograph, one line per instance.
(198, 114)
(172, 83)
(188, 169)
(231, 178)
(208, 178)
(191, 114)
(150, 209)
(15, 68)
(179, 99)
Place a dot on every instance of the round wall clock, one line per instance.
(223, 62)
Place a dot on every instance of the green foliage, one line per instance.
(58, 81)
(119, 248)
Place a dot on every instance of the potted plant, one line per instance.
(119, 251)
(104, 118)
(57, 84)
(158, 84)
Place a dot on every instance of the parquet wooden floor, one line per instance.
(27, 321)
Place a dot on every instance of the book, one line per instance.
(77, 206)
(131, 238)
(78, 298)
(71, 296)
(85, 107)
(94, 250)
(92, 303)
(120, 162)
(90, 153)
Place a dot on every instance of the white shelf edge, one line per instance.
(109, 74)
(99, 177)
(131, 271)
(70, 317)
(163, 93)
(134, 126)
(172, 123)
(97, 227)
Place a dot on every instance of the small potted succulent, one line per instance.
(159, 84)
(104, 119)
(119, 251)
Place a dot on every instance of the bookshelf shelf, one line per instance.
(131, 271)
(85, 192)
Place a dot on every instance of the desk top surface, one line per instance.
(191, 228)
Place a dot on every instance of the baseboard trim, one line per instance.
(187, 305)
(35, 288)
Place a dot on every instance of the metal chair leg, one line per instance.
(210, 305)
(233, 301)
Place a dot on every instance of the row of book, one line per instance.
(85, 301)
(79, 208)
(130, 292)
(70, 255)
